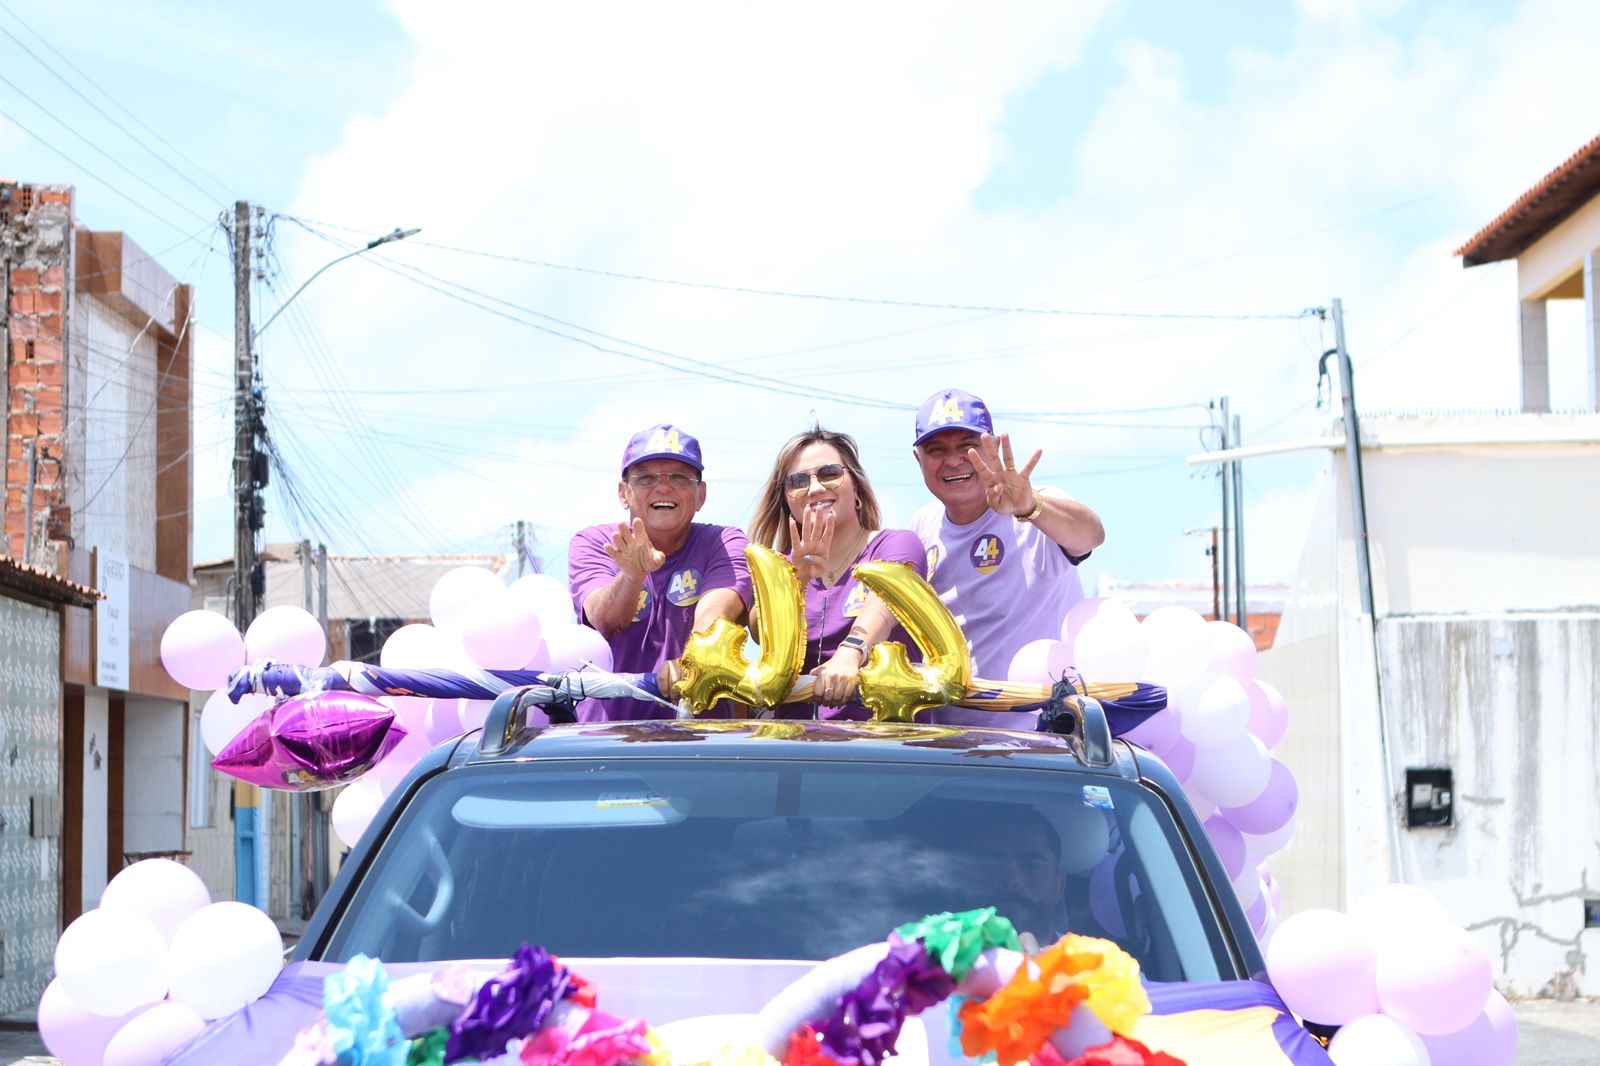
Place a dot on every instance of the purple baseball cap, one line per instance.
(665, 441)
(952, 409)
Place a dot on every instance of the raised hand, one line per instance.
(631, 550)
(810, 540)
(1009, 490)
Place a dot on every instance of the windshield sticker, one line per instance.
(631, 799)
(1097, 796)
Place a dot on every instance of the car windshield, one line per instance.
(770, 859)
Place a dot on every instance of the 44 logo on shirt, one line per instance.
(987, 553)
(644, 604)
(684, 589)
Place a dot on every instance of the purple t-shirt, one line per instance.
(711, 558)
(1007, 583)
(830, 612)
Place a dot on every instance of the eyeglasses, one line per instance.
(799, 482)
(674, 481)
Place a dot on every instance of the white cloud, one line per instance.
(837, 151)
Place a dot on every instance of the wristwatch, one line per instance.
(853, 641)
(1038, 508)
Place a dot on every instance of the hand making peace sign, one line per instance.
(1009, 490)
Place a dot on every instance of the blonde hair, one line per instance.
(770, 526)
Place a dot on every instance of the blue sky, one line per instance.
(1125, 162)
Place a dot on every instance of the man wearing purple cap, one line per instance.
(648, 583)
(1002, 555)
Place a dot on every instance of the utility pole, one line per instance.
(1241, 611)
(1225, 472)
(522, 546)
(247, 506)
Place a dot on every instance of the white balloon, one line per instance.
(1179, 648)
(1232, 651)
(1232, 774)
(223, 957)
(201, 648)
(550, 598)
(1093, 607)
(1111, 648)
(161, 890)
(221, 720)
(354, 809)
(455, 594)
(417, 646)
(1213, 710)
(1041, 662)
(111, 961)
(500, 633)
(1376, 1040)
(575, 647)
(1392, 910)
(286, 634)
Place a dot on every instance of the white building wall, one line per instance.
(1486, 579)
(1507, 702)
(153, 775)
(112, 398)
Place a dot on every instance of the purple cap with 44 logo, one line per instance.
(662, 442)
(952, 409)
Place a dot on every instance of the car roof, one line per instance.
(770, 739)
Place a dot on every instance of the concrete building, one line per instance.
(98, 488)
(1263, 602)
(1450, 738)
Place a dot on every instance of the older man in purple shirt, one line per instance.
(648, 583)
(1002, 555)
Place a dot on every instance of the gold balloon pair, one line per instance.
(892, 687)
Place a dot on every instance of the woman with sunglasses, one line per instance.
(819, 509)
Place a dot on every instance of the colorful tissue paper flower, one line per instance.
(1124, 1052)
(1116, 994)
(428, 1049)
(805, 1049)
(361, 1026)
(587, 1037)
(1017, 1020)
(865, 1026)
(956, 940)
(509, 1005)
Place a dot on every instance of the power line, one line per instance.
(877, 301)
(95, 147)
(136, 203)
(109, 96)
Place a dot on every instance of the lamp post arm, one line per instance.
(396, 235)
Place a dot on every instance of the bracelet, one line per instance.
(1038, 508)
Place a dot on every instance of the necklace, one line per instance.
(831, 577)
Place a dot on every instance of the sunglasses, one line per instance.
(799, 482)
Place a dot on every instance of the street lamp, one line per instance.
(395, 235)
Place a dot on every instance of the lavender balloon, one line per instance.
(1271, 810)
(312, 742)
(148, 1039)
(71, 1033)
(1229, 844)
(1490, 1039)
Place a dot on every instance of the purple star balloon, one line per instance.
(312, 742)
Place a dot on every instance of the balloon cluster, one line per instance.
(1405, 984)
(477, 623)
(142, 974)
(1216, 733)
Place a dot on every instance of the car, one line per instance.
(698, 867)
